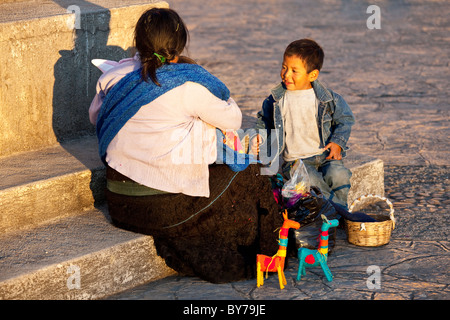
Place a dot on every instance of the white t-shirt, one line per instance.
(299, 111)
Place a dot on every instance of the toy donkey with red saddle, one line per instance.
(313, 258)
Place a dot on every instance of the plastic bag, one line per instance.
(298, 186)
(305, 204)
(308, 211)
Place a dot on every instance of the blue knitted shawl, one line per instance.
(125, 99)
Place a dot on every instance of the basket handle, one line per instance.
(391, 213)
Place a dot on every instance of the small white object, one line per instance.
(104, 65)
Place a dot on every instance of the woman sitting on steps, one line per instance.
(156, 120)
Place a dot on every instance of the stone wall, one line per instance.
(47, 79)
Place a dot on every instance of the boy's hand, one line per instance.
(254, 145)
(335, 151)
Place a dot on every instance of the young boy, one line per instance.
(310, 122)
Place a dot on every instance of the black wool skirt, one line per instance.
(215, 238)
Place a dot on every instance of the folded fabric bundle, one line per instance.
(356, 216)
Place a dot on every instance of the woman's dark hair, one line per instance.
(160, 36)
(308, 51)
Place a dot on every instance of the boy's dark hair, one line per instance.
(308, 51)
(160, 36)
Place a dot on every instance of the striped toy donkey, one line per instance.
(313, 258)
(276, 263)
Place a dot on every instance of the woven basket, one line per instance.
(371, 234)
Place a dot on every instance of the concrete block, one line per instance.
(367, 176)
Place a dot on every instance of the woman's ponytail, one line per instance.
(160, 36)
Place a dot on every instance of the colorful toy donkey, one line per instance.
(313, 258)
(276, 263)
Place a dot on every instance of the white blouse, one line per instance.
(169, 143)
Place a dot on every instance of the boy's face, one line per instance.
(294, 75)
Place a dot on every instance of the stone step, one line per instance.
(76, 258)
(45, 96)
(54, 221)
(50, 183)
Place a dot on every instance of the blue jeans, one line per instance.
(330, 176)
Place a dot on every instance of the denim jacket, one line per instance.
(334, 118)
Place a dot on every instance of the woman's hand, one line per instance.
(254, 145)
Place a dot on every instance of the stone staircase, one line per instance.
(56, 240)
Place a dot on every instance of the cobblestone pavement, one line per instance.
(395, 79)
(413, 266)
